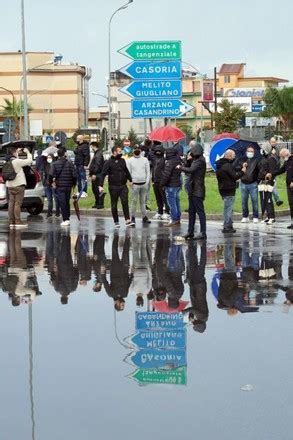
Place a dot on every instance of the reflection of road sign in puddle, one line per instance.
(162, 359)
(161, 339)
(171, 377)
(159, 320)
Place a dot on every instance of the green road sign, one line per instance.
(167, 377)
(152, 50)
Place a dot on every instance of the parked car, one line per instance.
(34, 194)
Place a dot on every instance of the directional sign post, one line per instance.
(160, 339)
(168, 377)
(159, 320)
(159, 108)
(161, 359)
(152, 50)
(153, 70)
(153, 89)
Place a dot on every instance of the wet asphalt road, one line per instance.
(72, 367)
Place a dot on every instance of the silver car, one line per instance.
(34, 194)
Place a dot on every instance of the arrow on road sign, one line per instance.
(153, 70)
(159, 108)
(153, 89)
(152, 50)
(161, 339)
(162, 359)
(168, 377)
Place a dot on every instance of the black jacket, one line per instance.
(171, 176)
(269, 165)
(252, 171)
(197, 172)
(64, 174)
(288, 169)
(97, 163)
(82, 154)
(117, 172)
(158, 164)
(227, 177)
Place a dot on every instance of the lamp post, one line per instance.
(109, 70)
(24, 73)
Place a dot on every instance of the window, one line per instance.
(227, 79)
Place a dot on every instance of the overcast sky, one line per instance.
(259, 33)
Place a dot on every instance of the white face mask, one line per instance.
(250, 155)
(49, 160)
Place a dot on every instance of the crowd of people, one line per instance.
(164, 169)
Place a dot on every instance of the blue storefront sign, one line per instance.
(159, 108)
(160, 339)
(219, 149)
(153, 70)
(150, 89)
(158, 320)
(257, 108)
(168, 359)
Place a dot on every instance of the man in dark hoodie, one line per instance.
(158, 165)
(196, 170)
(95, 169)
(82, 160)
(227, 177)
(171, 181)
(118, 175)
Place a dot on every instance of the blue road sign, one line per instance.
(153, 70)
(168, 359)
(149, 89)
(158, 320)
(219, 149)
(159, 108)
(162, 339)
(257, 108)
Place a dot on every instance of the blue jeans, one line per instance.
(51, 195)
(249, 189)
(81, 178)
(172, 195)
(275, 194)
(228, 211)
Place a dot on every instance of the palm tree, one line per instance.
(279, 104)
(14, 109)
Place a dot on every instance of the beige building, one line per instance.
(57, 92)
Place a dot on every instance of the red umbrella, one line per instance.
(162, 306)
(167, 134)
(220, 136)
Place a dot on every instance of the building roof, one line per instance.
(265, 78)
(227, 69)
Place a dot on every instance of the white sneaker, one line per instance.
(83, 195)
(117, 226)
(65, 223)
(21, 225)
(157, 217)
(271, 221)
(265, 220)
(166, 217)
(12, 226)
(245, 220)
(255, 220)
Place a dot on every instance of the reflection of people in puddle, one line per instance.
(83, 259)
(142, 260)
(231, 293)
(195, 274)
(270, 273)
(159, 268)
(64, 277)
(120, 276)
(99, 261)
(21, 282)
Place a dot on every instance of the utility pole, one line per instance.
(215, 89)
(24, 73)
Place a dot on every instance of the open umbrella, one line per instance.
(240, 148)
(52, 150)
(162, 306)
(167, 134)
(220, 136)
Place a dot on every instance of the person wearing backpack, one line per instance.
(14, 176)
(62, 177)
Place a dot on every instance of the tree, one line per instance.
(133, 138)
(229, 118)
(279, 104)
(187, 129)
(14, 109)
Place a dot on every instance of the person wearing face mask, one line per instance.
(273, 143)
(249, 182)
(268, 168)
(287, 168)
(139, 169)
(50, 192)
(158, 165)
(118, 175)
(196, 194)
(227, 177)
(16, 187)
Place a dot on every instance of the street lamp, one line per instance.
(109, 70)
(100, 94)
(24, 73)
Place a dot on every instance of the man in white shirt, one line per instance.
(16, 187)
(139, 168)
